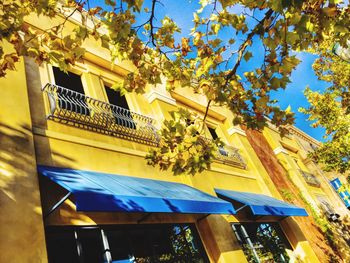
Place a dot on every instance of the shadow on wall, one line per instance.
(20, 202)
(17, 164)
(19, 197)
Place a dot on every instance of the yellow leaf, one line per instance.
(288, 109)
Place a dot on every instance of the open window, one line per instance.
(213, 133)
(71, 96)
(120, 108)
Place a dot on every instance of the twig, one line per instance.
(207, 110)
(245, 44)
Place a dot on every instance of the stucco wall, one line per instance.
(280, 177)
(21, 225)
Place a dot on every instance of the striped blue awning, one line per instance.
(262, 205)
(101, 192)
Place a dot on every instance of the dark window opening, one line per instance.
(115, 98)
(123, 116)
(62, 241)
(131, 243)
(91, 245)
(71, 101)
(213, 133)
(262, 242)
(68, 80)
(314, 147)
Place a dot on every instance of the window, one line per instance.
(314, 147)
(122, 113)
(69, 81)
(72, 97)
(59, 241)
(90, 242)
(297, 163)
(262, 242)
(131, 243)
(326, 208)
(115, 98)
(213, 133)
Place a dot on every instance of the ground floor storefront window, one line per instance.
(262, 242)
(124, 243)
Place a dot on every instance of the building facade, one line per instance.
(328, 200)
(75, 185)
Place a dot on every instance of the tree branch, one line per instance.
(245, 44)
(207, 110)
(152, 17)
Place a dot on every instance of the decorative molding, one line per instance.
(301, 134)
(153, 95)
(288, 147)
(230, 172)
(236, 129)
(280, 149)
(198, 106)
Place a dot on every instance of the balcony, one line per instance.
(76, 109)
(310, 179)
(228, 155)
(328, 211)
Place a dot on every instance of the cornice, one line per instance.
(301, 134)
(197, 106)
(153, 95)
(237, 130)
(280, 149)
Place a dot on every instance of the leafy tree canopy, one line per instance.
(331, 109)
(214, 60)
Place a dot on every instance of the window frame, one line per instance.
(131, 124)
(106, 82)
(126, 229)
(250, 246)
(74, 70)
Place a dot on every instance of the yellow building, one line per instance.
(328, 201)
(75, 186)
(302, 181)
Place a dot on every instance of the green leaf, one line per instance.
(276, 5)
(247, 55)
(275, 83)
(226, 3)
(110, 2)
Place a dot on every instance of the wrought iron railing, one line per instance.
(228, 155)
(73, 108)
(310, 179)
(328, 211)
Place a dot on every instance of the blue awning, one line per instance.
(343, 193)
(101, 192)
(262, 205)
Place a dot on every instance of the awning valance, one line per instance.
(101, 192)
(261, 205)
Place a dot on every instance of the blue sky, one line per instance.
(181, 11)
